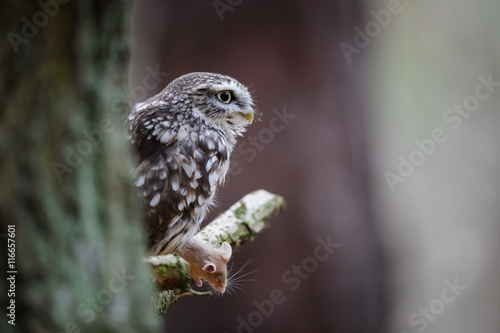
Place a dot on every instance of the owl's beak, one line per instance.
(249, 116)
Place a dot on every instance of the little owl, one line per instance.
(184, 137)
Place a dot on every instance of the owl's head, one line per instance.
(219, 99)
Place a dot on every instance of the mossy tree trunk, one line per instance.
(65, 171)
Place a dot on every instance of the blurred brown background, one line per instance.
(288, 53)
(402, 243)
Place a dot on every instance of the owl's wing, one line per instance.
(179, 172)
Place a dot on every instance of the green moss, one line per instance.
(241, 211)
(161, 271)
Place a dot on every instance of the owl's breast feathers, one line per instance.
(182, 162)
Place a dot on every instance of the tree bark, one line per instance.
(65, 172)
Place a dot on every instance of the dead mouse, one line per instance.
(207, 263)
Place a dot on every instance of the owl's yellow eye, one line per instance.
(225, 96)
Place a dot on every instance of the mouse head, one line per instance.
(215, 270)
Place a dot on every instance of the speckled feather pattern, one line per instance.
(184, 137)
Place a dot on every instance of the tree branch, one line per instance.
(239, 224)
